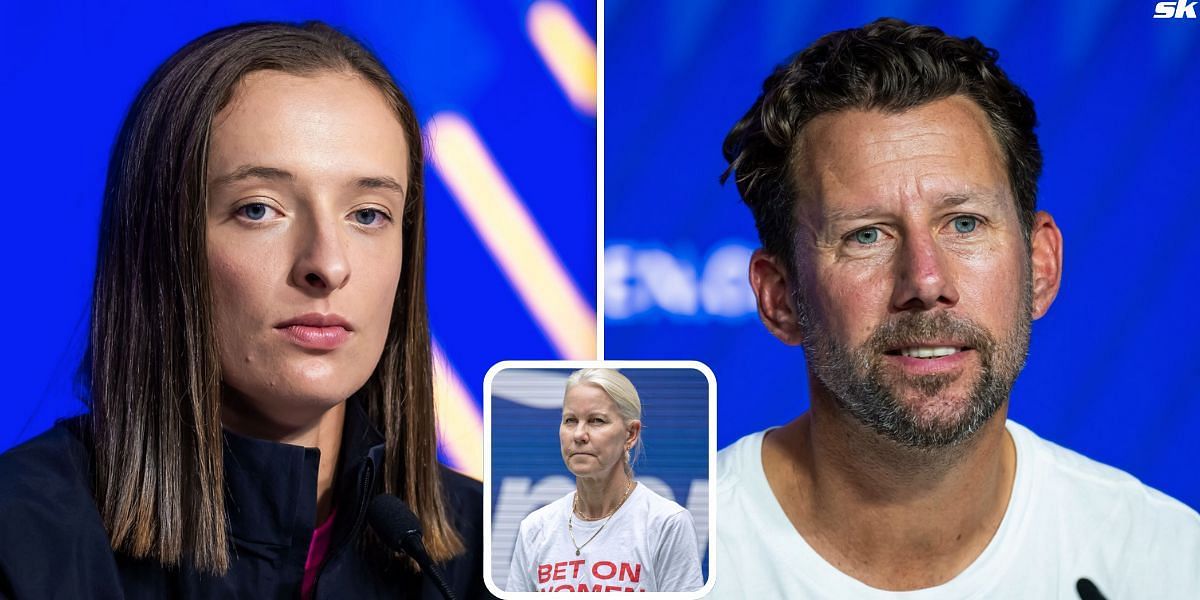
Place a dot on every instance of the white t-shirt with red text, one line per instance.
(649, 545)
(1068, 518)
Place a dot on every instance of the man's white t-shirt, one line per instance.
(1069, 518)
(649, 545)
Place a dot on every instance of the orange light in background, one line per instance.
(567, 50)
(516, 243)
(460, 427)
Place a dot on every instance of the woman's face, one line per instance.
(592, 434)
(306, 181)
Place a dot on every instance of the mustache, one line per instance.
(915, 329)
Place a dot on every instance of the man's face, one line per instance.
(306, 196)
(913, 278)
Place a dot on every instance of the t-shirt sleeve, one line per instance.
(677, 558)
(1161, 554)
(519, 572)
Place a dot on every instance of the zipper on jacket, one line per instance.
(364, 498)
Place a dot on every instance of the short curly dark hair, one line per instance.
(888, 65)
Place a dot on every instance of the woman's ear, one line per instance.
(635, 431)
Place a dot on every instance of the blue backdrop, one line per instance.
(71, 70)
(1112, 371)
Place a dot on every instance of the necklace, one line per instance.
(607, 518)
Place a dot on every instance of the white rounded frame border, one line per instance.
(713, 509)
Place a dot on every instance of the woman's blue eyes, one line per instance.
(258, 211)
(368, 216)
(965, 224)
(255, 212)
(571, 420)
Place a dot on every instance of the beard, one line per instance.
(863, 388)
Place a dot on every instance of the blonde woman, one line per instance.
(612, 533)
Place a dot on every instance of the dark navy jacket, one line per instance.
(53, 545)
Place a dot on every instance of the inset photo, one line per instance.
(597, 477)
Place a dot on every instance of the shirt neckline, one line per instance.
(587, 525)
(975, 581)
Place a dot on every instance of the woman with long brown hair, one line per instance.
(258, 365)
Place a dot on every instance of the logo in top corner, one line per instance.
(1181, 9)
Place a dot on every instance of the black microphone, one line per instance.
(395, 523)
(1088, 590)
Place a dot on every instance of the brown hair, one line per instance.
(151, 371)
(888, 65)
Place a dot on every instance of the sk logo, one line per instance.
(1175, 10)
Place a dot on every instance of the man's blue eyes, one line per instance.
(870, 235)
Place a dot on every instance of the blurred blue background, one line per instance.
(526, 459)
(71, 70)
(1112, 372)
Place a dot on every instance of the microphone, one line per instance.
(1088, 590)
(395, 523)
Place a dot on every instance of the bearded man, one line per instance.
(892, 173)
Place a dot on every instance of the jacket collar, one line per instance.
(271, 487)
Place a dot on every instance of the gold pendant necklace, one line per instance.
(607, 518)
